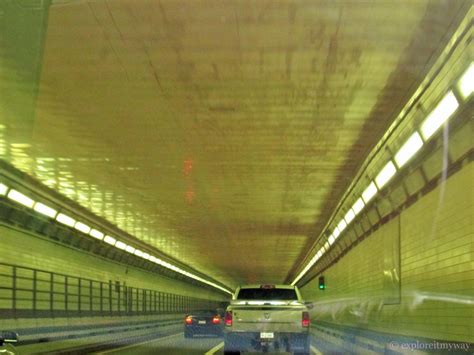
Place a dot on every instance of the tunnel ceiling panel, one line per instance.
(222, 133)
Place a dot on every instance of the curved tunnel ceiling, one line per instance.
(221, 133)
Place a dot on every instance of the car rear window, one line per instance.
(205, 313)
(271, 294)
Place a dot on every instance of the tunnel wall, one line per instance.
(25, 250)
(437, 271)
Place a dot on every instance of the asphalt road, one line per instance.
(177, 345)
(172, 345)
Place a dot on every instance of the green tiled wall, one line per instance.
(437, 270)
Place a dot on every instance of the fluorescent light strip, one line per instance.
(96, 234)
(369, 192)
(65, 219)
(300, 275)
(20, 198)
(138, 253)
(350, 215)
(310, 264)
(71, 222)
(442, 112)
(466, 83)
(45, 210)
(181, 271)
(130, 249)
(313, 261)
(160, 262)
(81, 227)
(120, 245)
(387, 172)
(331, 239)
(408, 149)
(358, 206)
(342, 225)
(110, 240)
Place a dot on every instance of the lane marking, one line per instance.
(215, 348)
(138, 344)
(315, 350)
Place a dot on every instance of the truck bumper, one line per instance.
(244, 341)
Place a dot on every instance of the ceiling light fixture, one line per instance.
(387, 172)
(331, 239)
(130, 249)
(45, 210)
(65, 219)
(408, 149)
(350, 215)
(20, 198)
(81, 227)
(120, 245)
(110, 240)
(342, 225)
(442, 112)
(96, 234)
(3, 189)
(466, 83)
(369, 192)
(358, 206)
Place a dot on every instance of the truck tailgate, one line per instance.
(267, 319)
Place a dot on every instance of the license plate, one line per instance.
(266, 336)
(202, 322)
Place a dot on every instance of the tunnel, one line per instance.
(159, 156)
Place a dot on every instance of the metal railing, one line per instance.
(29, 292)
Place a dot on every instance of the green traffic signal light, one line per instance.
(322, 285)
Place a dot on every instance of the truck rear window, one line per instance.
(271, 294)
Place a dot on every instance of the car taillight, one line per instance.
(188, 320)
(228, 318)
(216, 320)
(305, 319)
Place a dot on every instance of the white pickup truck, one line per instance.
(267, 317)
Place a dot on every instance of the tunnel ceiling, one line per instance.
(221, 133)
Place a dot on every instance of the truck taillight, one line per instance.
(305, 320)
(228, 318)
(188, 320)
(216, 320)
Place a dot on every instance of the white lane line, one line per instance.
(138, 344)
(315, 350)
(215, 348)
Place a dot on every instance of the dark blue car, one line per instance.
(203, 323)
